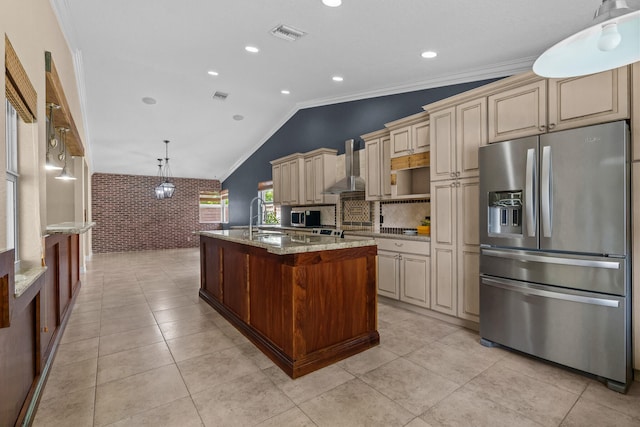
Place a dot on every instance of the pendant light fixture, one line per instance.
(65, 175)
(159, 190)
(612, 41)
(167, 185)
(166, 188)
(52, 140)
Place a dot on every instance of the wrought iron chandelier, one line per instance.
(166, 188)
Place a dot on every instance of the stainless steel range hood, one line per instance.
(352, 182)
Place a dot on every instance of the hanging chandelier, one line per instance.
(52, 140)
(166, 188)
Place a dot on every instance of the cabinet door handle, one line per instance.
(452, 174)
(453, 184)
(458, 173)
(552, 125)
(542, 128)
(399, 244)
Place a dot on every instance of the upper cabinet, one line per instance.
(378, 164)
(410, 156)
(587, 100)
(635, 110)
(286, 174)
(518, 112)
(556, 104)
(301, 179)
(319, 174)
(456, 134)
(409, 135)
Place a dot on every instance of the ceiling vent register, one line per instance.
(220, 96)
(287, 33)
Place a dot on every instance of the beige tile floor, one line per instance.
(142, 349)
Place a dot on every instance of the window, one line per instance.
(271, 213)
(12, 178)
(214, 206)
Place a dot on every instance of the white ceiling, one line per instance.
(126, 50)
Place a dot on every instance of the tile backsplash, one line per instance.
(403, 214)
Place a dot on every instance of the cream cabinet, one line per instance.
(388, 274)
(404, 270)
(378, 165)
(455, 248)
(409, 135)
(557, 104)
(635, 291)
(635, 113)
(319, 174)
(456, 134)
(518, 112)
(588, 100)
(286, 175)
(276, 177)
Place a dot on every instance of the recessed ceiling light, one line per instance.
(332, 3)
(148, 100)
(429, 54)
(337, 78)
(251, 49)
(238, 117)
(285, 92)
(212, 73)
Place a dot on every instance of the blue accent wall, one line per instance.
(325, 127)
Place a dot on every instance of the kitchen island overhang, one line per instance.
(305, 301)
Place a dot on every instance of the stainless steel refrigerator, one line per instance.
(555, 249)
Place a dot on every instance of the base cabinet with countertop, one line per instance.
(404, 270)
(304, 310)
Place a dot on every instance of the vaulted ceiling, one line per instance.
(126, 51)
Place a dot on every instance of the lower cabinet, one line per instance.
(404, 270)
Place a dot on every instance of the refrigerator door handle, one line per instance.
(511, 285)
(519, 256)
(545, 191)
(530, 192)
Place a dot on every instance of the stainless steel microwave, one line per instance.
(305, 218)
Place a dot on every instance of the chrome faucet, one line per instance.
(251, 214)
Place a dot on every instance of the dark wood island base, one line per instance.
(303, 310)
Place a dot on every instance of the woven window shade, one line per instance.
(19, 90)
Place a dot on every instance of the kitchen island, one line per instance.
(306, 301)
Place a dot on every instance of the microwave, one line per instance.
(305, 218)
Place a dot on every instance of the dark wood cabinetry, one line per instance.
(305, 310)
(34, 322)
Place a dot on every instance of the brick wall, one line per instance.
(128, 217)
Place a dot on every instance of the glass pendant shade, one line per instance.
(612, 42)
(52, 140)
(65, 175)
(159, 189)
(50, 165)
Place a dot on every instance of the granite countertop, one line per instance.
(69, 227)
(285, 244)
(26, 278)
(417, 237)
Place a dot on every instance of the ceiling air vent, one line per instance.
(288, 33)
(220, 96)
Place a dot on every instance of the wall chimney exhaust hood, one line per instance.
(352, 182)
